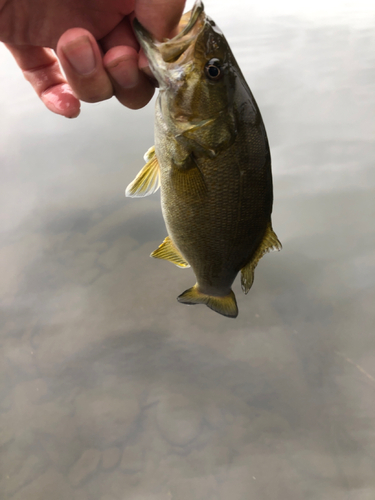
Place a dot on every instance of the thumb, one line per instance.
(159, 17)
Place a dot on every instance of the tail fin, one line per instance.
(225, 305)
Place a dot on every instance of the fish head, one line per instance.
(197, 76)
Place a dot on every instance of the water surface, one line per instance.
(110, 389)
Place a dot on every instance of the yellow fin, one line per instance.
(189, 180)
(148, 180)
(226, 305)
(168, 251)
(149, 154)
(270, 242)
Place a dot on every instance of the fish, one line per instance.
(211, 161)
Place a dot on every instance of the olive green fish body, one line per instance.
(218, 225)
(211, 160)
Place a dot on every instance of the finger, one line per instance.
(159, 17)
(122, 34)
(81, 60)
(41, 68)
(132, 88)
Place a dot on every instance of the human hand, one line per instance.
(93, 42)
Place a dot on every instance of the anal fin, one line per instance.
(225, 305)
(269, 242)
(148, 180)
(168, 251)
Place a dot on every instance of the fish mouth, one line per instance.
(174, 50)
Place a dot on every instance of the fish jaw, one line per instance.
(171, 60)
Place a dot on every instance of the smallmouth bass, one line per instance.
(211, 160)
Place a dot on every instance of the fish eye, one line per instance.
(213, 69)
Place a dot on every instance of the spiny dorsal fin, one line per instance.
(225, 305)
(168, 251)
(148, 180)
(270, 242)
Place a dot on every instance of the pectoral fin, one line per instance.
(168, 251)
(270, 242)
(189, 183)
(187, 179)
(225, 305)
(148, 180)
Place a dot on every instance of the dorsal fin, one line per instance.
(168, 251)
(269, 242)
(148, 180)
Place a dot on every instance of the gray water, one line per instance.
(110, 389)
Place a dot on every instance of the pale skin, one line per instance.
(92, 41)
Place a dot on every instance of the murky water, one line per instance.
(110, 389)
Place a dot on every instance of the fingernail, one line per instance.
(80, 54)
(124, 70)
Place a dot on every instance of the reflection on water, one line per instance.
(109, 388)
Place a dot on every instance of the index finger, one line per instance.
(41, 68)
